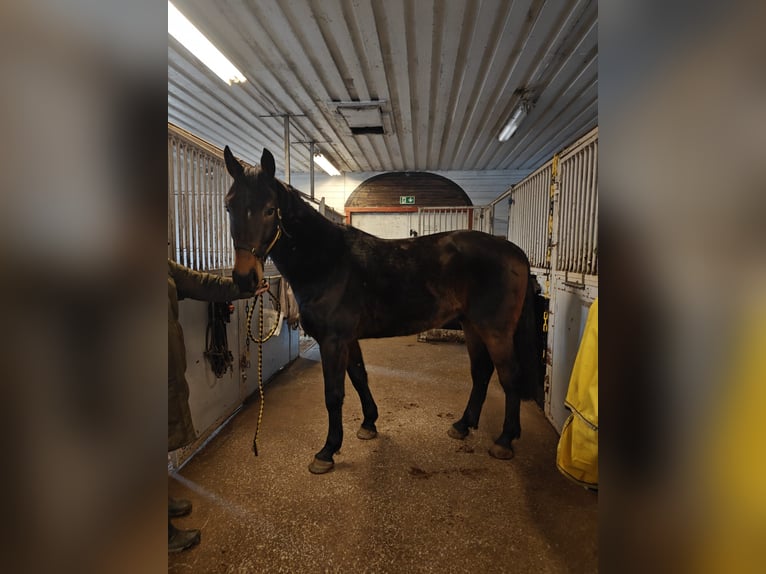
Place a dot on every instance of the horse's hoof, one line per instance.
(501, 452)
(455, 433)
(320, 466)
(366, 434)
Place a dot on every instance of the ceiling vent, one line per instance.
(362, 118)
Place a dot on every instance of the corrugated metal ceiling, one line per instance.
(442, 76)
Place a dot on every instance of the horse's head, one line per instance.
(254, 217)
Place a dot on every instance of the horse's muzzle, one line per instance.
(246, 282)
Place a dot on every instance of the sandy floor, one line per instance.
(411, 500)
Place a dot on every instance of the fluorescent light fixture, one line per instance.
(194, 41)
(513, 124)
(322, 162)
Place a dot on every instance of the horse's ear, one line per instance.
(233, 166)
(267, 163)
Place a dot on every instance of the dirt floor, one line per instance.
(411, 500)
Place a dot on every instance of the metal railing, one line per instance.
(528, 214)
(578, 208)
(534, 226)
(438, 219)
(198, 226)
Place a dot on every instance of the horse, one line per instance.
(351, 285)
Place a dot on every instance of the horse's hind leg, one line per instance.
(481, 371)
(501, 350)
(358, 376)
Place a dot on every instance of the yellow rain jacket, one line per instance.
(577, 456)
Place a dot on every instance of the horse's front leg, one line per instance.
(358, 375)
(334, 362)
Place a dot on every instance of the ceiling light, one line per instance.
(194, 41)
(322, 162)
(516, 118)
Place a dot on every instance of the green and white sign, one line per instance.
(406, 200)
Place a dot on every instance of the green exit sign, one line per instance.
(406, 200)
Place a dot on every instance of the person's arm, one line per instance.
(204, 286)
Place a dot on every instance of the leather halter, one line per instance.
(277, 235)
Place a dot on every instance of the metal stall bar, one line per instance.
(189, 215)
(171, 200)
(214, 221)
(579, 195)
(221, 219)
(571, 197)
(213, 212)
(180, 229)
(189, 205)
(566, 227)
(562, 218)
(576, 194)
(542, 198)
(194, 209)
(197, 224)
(582, 198)
(183, 220)
(593, 217)
(578, 201)
(192, 196)
(207, 218)
(202, 218)
(198, 214)
(589, 198)
(587, 158)
(528, 214)
(566, 197)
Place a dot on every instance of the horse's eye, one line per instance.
(270, 212)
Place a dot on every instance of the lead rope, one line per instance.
(259, 341)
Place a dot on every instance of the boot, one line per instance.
(179, 540)
(178, 507)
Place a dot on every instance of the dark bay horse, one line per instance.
(351, 285)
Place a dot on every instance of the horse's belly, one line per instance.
(396, 322)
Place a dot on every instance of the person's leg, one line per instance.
(178, 507)
(179, 540)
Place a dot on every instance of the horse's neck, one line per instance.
(310, 244)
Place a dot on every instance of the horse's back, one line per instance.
(493, 274)
(405, 285)
(467, 243)
(483, 246)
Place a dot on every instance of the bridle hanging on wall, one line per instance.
(216, 340)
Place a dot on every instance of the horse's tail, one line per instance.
(528, 345)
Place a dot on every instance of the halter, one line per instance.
(277, 235)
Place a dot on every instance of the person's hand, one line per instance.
(262, 288)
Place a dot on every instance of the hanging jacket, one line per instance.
(577, 454)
